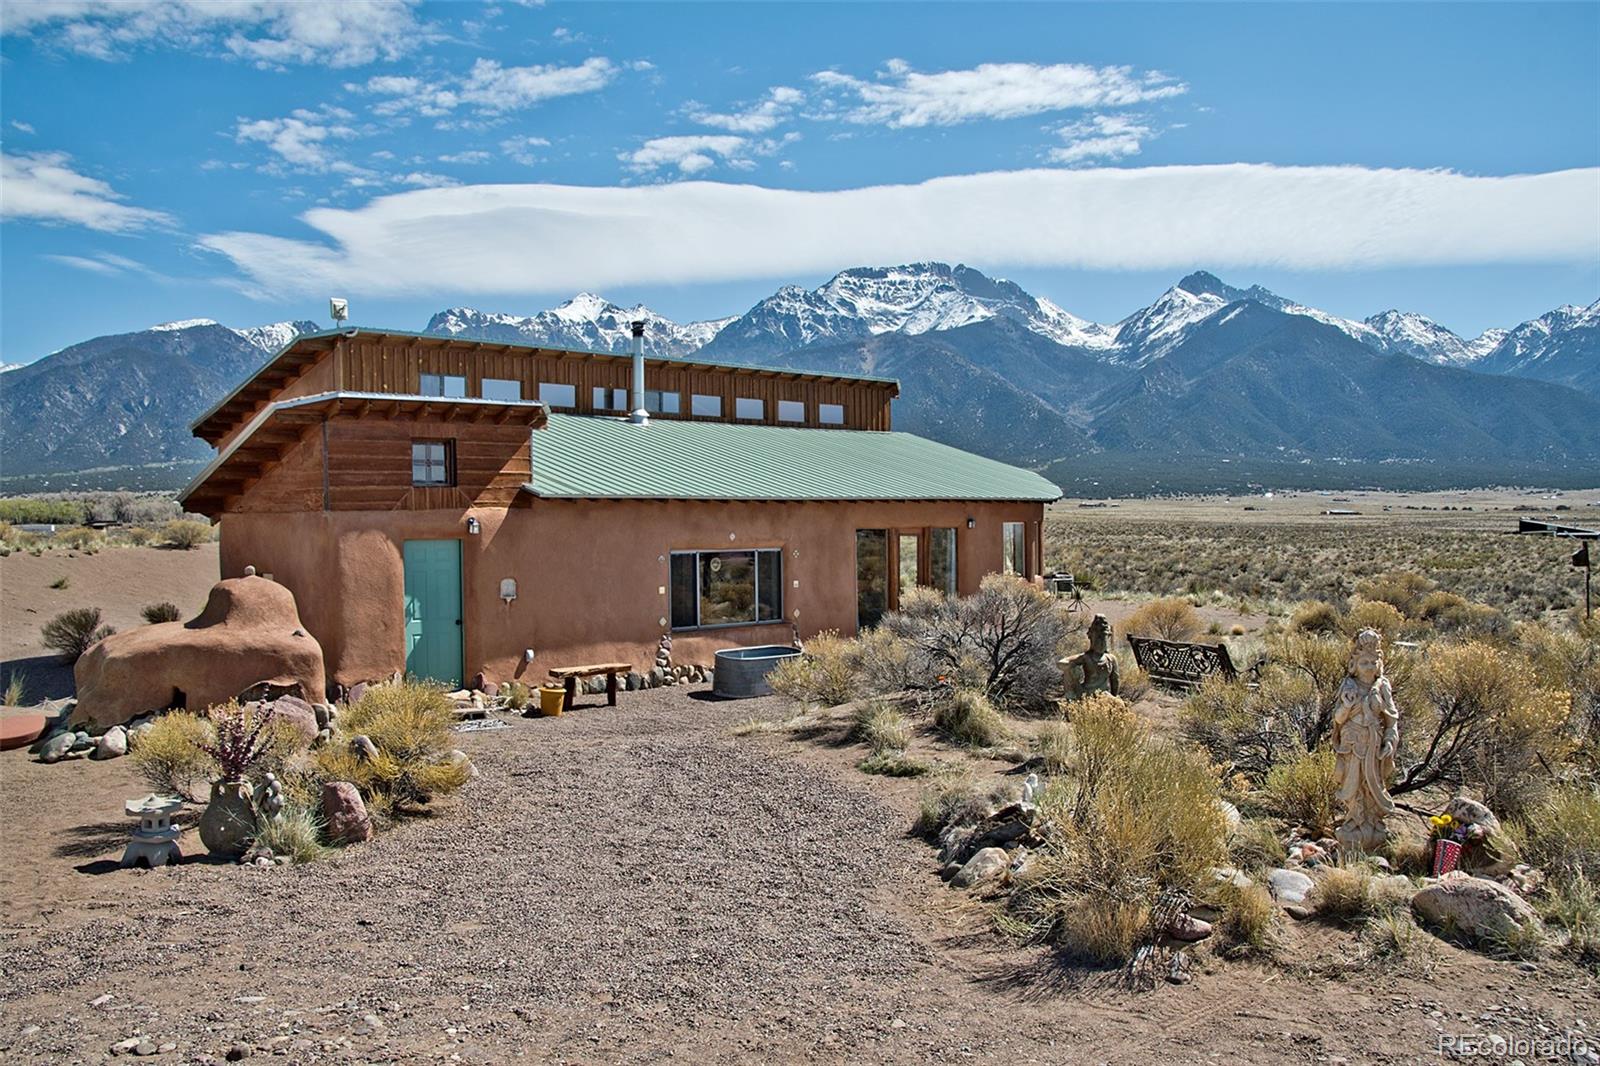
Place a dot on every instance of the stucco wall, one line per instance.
(592, 575)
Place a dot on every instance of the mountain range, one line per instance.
(1207, 373)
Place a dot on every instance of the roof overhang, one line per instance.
(294, 358)
(278, 427)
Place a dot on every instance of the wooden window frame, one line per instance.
(924, 535)
(449, 446)
(755, 565)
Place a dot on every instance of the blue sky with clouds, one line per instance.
(245, 161)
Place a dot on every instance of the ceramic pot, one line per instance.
(229, 822)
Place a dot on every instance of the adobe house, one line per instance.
(448, 506)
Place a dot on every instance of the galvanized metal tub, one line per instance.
(742, 672)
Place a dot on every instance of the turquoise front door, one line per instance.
(433, 610)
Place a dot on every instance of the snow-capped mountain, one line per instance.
(912, 299)
(1408, 333)
(1562, 346)
(587, 322)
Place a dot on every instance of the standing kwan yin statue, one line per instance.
(1366, 732)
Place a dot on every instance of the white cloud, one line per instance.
(20, 126)
(489, 88)
(901, 97)
(303, 139)
(521, 148)
(474, 238)
(269, 33)
(105, 264)
(1101, 137)
(471, 157)
(690, 154)
(776, 107)
(43, 187)
(423, 180)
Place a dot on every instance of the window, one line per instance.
(554, 394)
(432, 462)
(830, 414)
(444, 385)
(618, 398)
(1015, 548)
(718, 588)
(658, 402)
(872, 576)
(942, 560)
(502, 389)
(706, 406)
(791, 411)
(744, 407)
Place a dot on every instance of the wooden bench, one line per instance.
(569, 675)
(1187, 665)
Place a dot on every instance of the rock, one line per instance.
(1289, 886)
(459, 758)
(631, 682)
(123, 1046)
(145, 1048)
(357, 690)
(1236, 878)
(245, 635)
(299, 715)
(658, 676)
(113, 743)
(983, 866)
(363, 746)
(1230, 815)
(323, 713)
(344, 813)
(710, 676)
(1475, 906)
(1470, 812)
(82, 741)
(1487, 851)
(238, 1052)
(140, 727)
(56, 748)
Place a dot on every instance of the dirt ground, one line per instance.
(119, 581)
(639, 884)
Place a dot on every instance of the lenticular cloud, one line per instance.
(539, 238)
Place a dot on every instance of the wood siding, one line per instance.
(365, 365)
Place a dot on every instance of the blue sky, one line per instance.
(243, 163)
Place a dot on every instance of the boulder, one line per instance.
(1487, 850)
(56, 748)
(249, 632)
(1474, 906)
(344, 813)
(112, 743)
(299, 715)
(1231, 817)
(457, 757)
(986, 865)
(363, 746)
(357, 690)
(1289, 887)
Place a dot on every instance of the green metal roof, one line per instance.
(585, 457)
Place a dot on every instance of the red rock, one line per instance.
(344, 814)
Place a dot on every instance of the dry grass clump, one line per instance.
(955, 800)
(881, 728)
(79, 538)
(890, 763)
(1256, 845)
(168, 754)
(1169, 618)
(409, 723)
(74, 632)
(1249, 922)
(1562, 834)
(186, 533)
(1136, 819)
(1133, 684)
(16, 690)
(824, 676)
(1374, 614)
(1315, 617)
(295, 834)
(1344, 895)
(515, 695)
(1400, 589)
(161, 612)
(1395, 939)
(1054, 743)
(1303, 790)
(965, 716)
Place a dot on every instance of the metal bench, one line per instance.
(569, 675)
(1186, 665)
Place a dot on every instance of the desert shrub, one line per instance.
(953, 801)
(1135, 819)
(1562, 834)
(74, 632)
(18, 539)
(1573, 907)
(515, 695)
(1055, 747)
(1400, 589)
(1251, 730)
(138, 536)
(1315, 617)
(43, 510)
(16, 690)
(409, 723)
(891, 763)
(966, 716)
(1375, 614)
(1169, 618)
(186, 533)
(78, 538)
(296, 833)
(825, 675)
(1133, 684)
(1249, 921)
(170, 754)
(887, 662)
(881, 728)
(1256, 845)
(161, 612)
(1303, 790)
(61, 582)
(1344, 895)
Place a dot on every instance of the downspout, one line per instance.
(638, 416)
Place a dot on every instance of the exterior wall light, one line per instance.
(473, 526)
(971, 522)
(508, 589)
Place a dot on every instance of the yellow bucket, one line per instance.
(550, 700)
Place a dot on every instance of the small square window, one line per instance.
(451, 385)
(830, 414)
(791, 411)
(610, 399)
(744, 407)
(432, 462)
(706, 406)
(503, 389)
(660, 402)
(555, 394)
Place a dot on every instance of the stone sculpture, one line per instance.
(155, 842)
(1094, 670)
(1366, 731)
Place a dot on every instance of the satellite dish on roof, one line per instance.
(339, 309)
